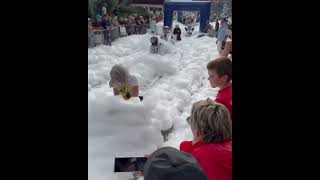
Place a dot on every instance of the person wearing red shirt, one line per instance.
(212, 139)
(220, 75)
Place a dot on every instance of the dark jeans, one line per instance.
(107, 37)
(130, 29)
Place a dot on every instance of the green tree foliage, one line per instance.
(123, 8)
(96, 6)
(217, 6)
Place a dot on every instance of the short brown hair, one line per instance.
(222, 65)
(211, 120)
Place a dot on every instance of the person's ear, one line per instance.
(225, 78)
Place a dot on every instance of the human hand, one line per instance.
(140, 173)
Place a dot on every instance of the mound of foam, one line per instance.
(119, 128)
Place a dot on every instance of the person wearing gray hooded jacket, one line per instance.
(222, 35)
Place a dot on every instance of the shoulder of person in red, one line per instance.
(215, 159)
(200, 146)
(224, 97)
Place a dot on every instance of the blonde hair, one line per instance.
(211, 120)
(120, 72)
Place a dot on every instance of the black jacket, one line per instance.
(217, 26)
(176, 31)
(105, 23)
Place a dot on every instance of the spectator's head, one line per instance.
(210, 122)
(105, 17)
(166, 29)
(119, 75)
(224, 22)
(115, 21)
(168, 163)
(220, 72)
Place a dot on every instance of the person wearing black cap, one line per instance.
(168, 163)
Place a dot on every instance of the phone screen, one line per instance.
(129, 164)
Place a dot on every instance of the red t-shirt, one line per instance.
(215, 159)
(224, 97)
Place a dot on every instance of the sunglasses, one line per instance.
(188, 120)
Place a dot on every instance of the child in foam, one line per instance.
(123, 83)
(189, 30)
(166, 33)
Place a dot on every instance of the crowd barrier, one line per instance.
(106, 36)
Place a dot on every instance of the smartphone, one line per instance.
(129, 164)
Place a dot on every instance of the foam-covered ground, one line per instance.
(170, 83)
